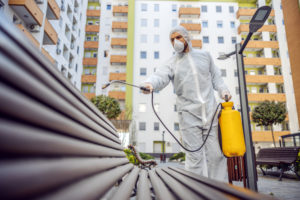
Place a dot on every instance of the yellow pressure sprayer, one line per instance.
(233, 143)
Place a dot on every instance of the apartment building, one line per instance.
(215, 26)
(54, 27)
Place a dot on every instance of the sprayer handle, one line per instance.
(145, 89)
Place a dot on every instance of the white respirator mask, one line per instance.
(178, 46)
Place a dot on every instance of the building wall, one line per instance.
(292, 24)
(54, 50)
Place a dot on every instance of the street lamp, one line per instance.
(257, 21)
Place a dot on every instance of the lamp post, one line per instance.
(257, 21)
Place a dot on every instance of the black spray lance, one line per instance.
(152, 103)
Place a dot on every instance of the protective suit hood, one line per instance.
(182, 31)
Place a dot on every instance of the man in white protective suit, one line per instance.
(194, 77)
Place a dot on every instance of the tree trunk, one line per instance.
(273, 135)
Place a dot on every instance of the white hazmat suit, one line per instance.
(195, 77)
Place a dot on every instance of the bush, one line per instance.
(178, 156)
(132, 158)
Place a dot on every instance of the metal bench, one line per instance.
(283, 157)
(54, 144)
(141, 162)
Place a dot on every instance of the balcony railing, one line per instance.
(258, 45)
(120, 95)
(118, 59)
(90, 61)
(192, 27)
(197, 43)
(119, 26)
(88, 78)
(117, 76)
(92, 28)
(51, 36)
(120, 10)
(261, 61)
(53, 10)
(264, 79)
(260, 97)
(244, 13)
(93, 13)
(244, 29)
(184, 12)
(115, 42)
(28, 35)
(48, 55)
(91, 44)
(89, 95)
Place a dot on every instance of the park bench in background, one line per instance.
(54, 144)
(142, 163)
(283, 157)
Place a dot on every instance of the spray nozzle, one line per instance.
(226, 98)
(145, 89)
(105, 86)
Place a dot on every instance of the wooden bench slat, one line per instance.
(36, 89)
(180, 190)
(40, 115)
(61, 82)
(20, 139)
(126, 188)
(160, 189)
(90, 188)
(143, 188)
(199, 188)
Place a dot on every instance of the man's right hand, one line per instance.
(148, 86)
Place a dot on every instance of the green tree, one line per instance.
(269, 113)
(107, 105)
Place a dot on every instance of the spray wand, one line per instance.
(152, 102)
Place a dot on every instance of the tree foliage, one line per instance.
(269, 114)
(107, 105)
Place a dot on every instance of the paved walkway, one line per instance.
(287, 189)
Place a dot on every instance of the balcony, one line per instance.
(117, 95)
(89, 95)
(53, 10)
(254, 45)
(117, 76)
(264, 79)
(28, 10)
(187, 12)
(192, 27)
(119, 26)
(120, 10)
(91, 44)
(250, 62)
(118, 59)
(88, 78)
(28, 35)
(51, 36)
(244, 29)
(119, 42)
(246, 14)
(197, 43)
(90, 61)
(93, 13)
(48, 55)
(266, 136)
(92, 28)
(260, 97)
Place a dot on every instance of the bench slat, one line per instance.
(178, 189)
(143, 189)
(34, 112)
(160, 189)
(62, 83)
(93, 187)
(201, 189)
(36, 89)
(20, 139)
(125, 189)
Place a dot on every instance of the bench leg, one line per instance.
(281, 173)
(264, 173)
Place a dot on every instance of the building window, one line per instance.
(174, 22)
(142, 107)
(85, 89)
(203, 8)
(235, 73)
(221, 40)
(144, 22)
(156, 54)
(205, 24)
(143, 7)
(95, 55)
(233, 40)
(223, 72)
(156, 107)
(205, 39)
(156, 7)
(174, 7)
(156, 38)
(219, 24)
(231, 9)
(143, 54)
(218, 9)
(106, 38)
(143, 38)
(232, 24)
(143, 71)
(108, 7)
(237, 90)
(176, 126)
(175, 108)
(156, 22)
(142, 126)
(156, 126)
